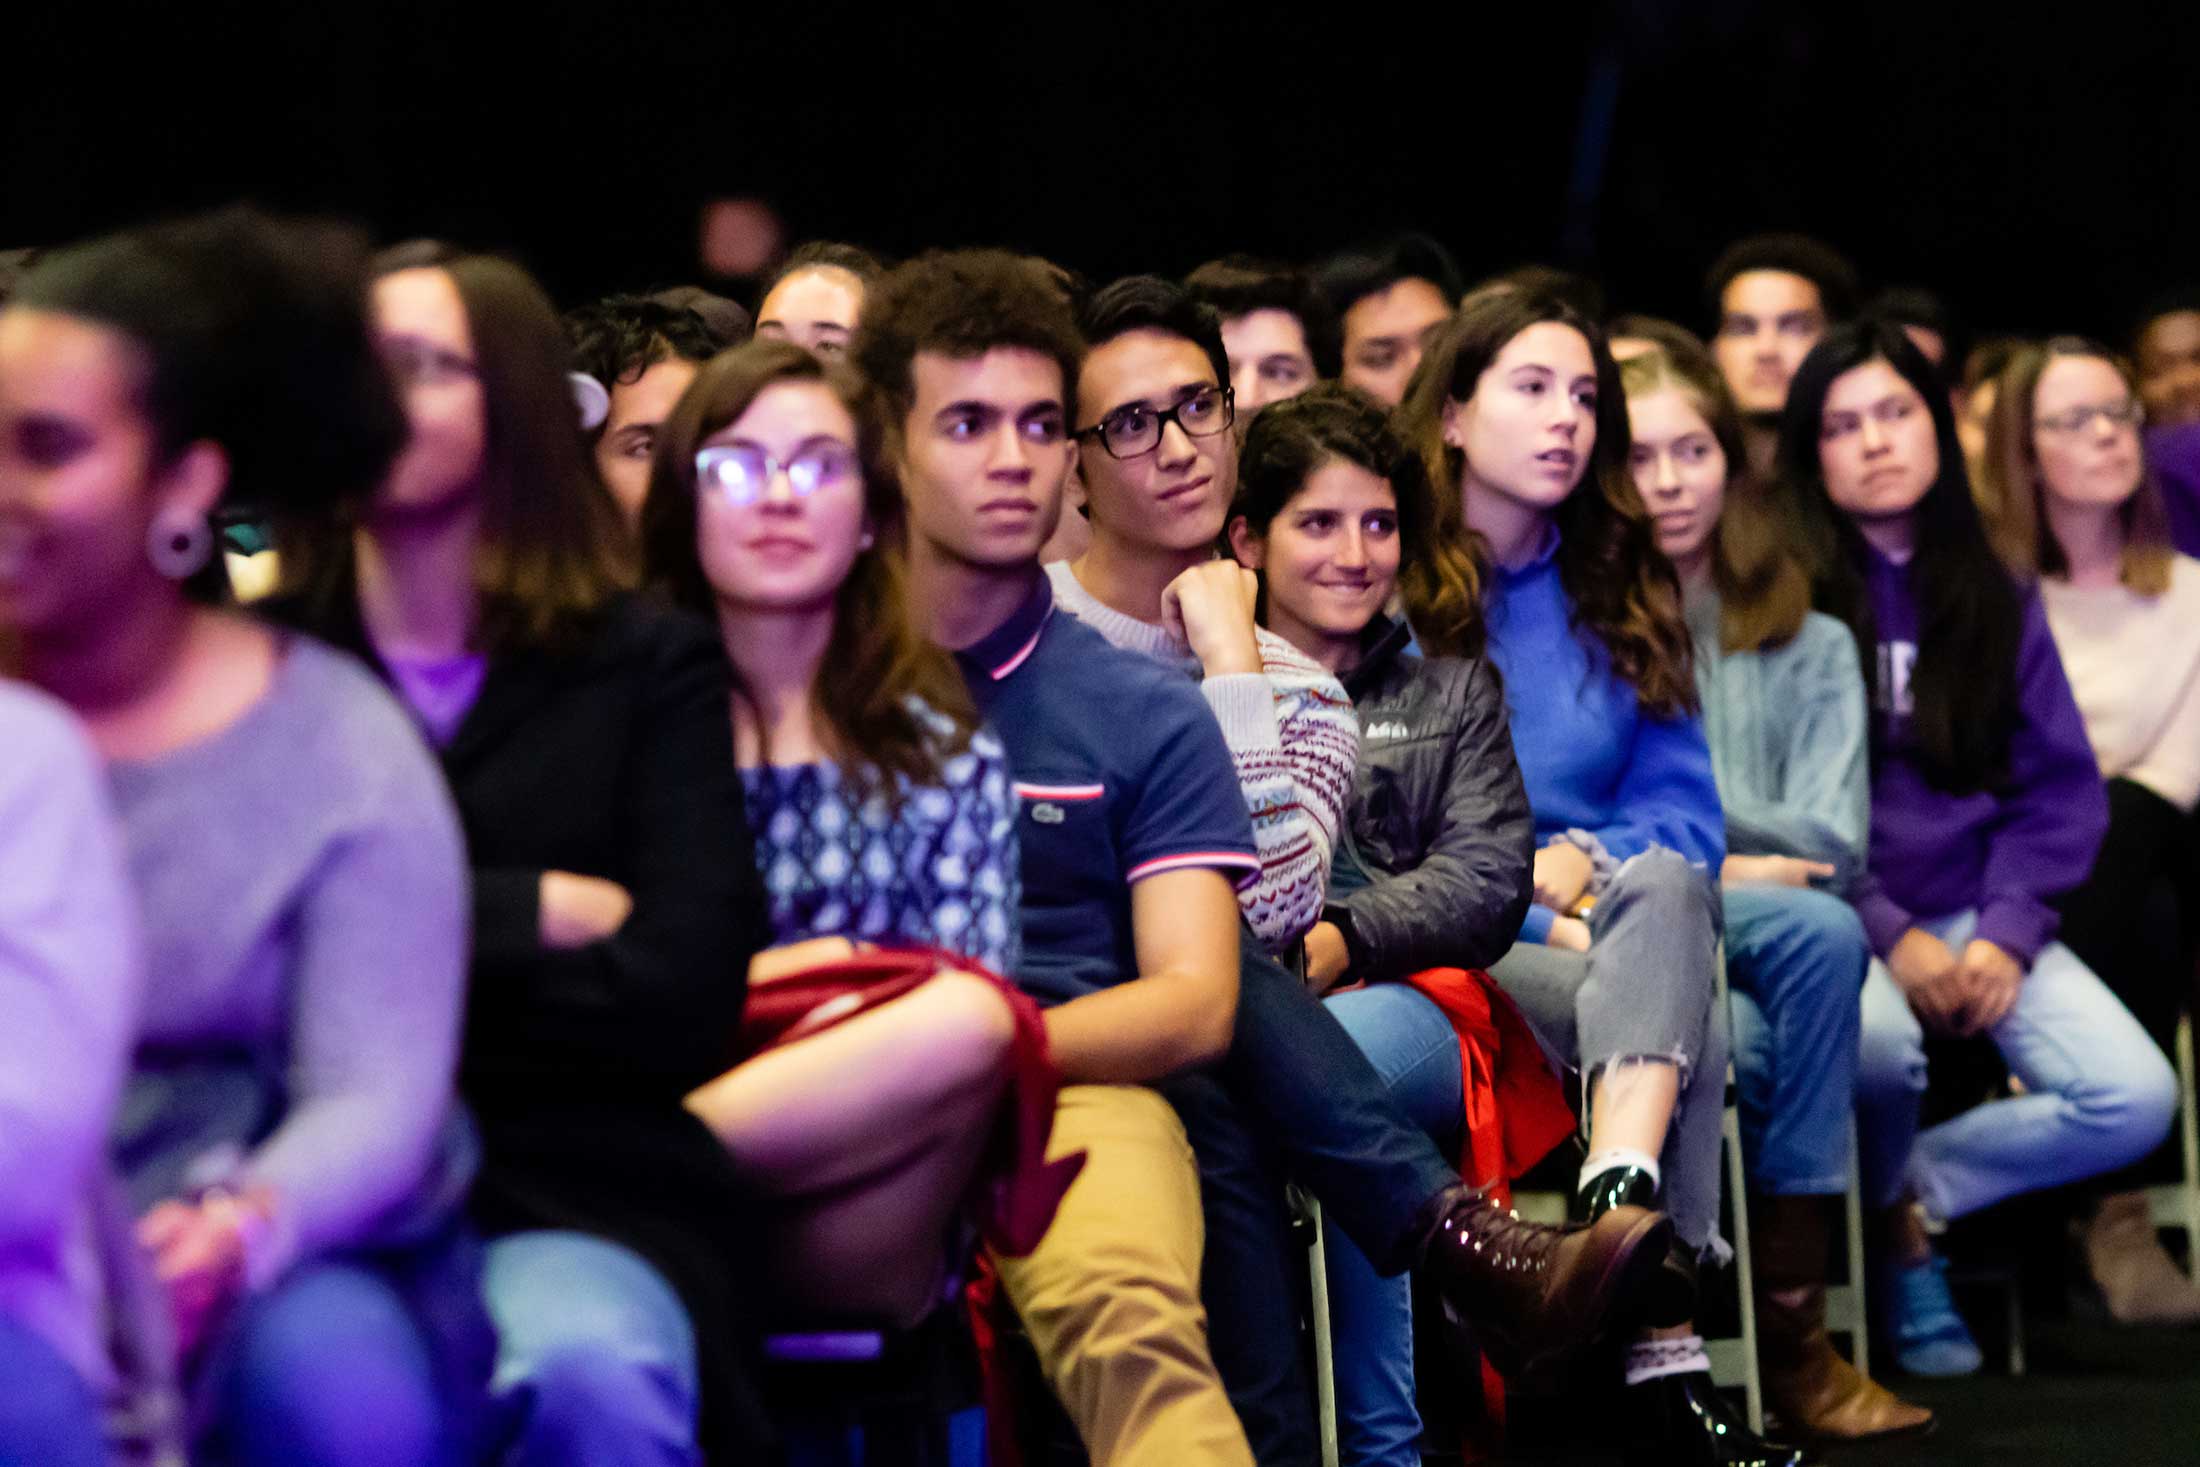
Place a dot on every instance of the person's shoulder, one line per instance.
(342, 717)
(2184, 580)
(1124, 700)
(1823, 641)
(637, 627)
(43, 739)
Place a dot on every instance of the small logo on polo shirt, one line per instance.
(1048, 813)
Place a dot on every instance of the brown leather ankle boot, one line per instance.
(1814, 1392)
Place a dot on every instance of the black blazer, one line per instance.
(614, 759)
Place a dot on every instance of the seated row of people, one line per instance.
(834, 900)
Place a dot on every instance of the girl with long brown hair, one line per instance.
(1517, 411)
(882, 814)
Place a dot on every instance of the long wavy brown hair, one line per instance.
(1619, 588)
(878, 667)
(2013, 498)
(1764, 592)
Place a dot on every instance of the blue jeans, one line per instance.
(2098, 1093)
(595, 1358)
(47, 1415)
(1795, 961)
(1416, 1052)
(332, 1366)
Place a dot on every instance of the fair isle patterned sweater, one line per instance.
(1296, 744)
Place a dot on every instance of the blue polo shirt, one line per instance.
(1121, 773)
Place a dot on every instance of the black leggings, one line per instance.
(2136, 921)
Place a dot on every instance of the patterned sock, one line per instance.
(1650, 1359)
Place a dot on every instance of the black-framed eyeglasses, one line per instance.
(740, 474)
(1136, 429)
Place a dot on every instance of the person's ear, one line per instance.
(192, 482)
(1250, 549)
(1455, 426)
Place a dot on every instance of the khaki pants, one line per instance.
(1111, 1296)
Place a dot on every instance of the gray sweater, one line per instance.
(302, 881)
(1790, 744)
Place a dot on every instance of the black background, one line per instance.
(2036, 166)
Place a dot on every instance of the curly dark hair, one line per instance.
(878, 663)
(253, 334)
(1289, 440)
(1620, 587)
(962, 304)
(1839, 288)
(620, 337)
(1238, 285)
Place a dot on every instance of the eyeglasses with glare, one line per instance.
(2125, 414)
(740, 474)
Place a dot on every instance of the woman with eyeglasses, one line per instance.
(1986, 809)
(883, 814)
(2068, 490)
(615, 901)
(287, 1129)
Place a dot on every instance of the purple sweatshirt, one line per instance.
(2005, 853)
(2174, 455)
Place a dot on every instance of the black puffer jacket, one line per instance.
(1439, 817)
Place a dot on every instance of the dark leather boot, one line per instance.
(1537, 1295)
(1683, 1421)
(1671, 1298)
(1815, 1393)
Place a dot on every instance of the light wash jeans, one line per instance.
(2098, 1093)
(1795, 961)
(47, 1415)
(1415, 1050)
(595, 1357)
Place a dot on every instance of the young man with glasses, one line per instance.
(1159, 465)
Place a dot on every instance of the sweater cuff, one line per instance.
(2018, 927)
(1244, 703)
(1884, 919)
(1536, 926)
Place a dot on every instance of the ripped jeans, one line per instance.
(1646, 989)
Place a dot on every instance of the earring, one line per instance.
(867, 541)
(179, 545)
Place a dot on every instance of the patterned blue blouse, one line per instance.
(941, 871)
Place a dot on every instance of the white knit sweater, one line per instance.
(2134, 665)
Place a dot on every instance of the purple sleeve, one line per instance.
(2052, 820)
(2174, 455)
(1884, 918)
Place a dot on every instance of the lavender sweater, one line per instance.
(302, 881)
(69, 990)
(2004, 852)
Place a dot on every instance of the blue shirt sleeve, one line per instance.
(1186, 811)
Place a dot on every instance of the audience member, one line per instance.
(287, 1130)
(2068, 490)
(1516, 409)
(1633, 336)
(1783, 711)
(816, 295)
(645, 355)
(1982, 369)
(2166, 348)
(1986, 808)
(881, 814)
(586, 736)
(1277, 327)
(1134, 839)
(71, 983)
(1432, 871)
(1388, 297)
(1770, 297)
(1930, 324)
